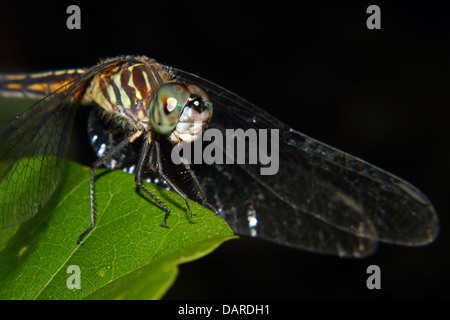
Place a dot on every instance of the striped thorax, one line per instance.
(125, 91)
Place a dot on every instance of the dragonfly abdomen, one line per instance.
(36, 85)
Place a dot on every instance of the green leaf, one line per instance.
(127, 256)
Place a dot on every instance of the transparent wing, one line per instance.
(32, 149)
(321, 199)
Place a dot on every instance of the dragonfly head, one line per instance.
(182, 110)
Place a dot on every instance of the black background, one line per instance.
(382, 95)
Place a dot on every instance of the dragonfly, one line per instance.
(321, 199)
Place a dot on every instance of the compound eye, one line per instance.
(195, 115)
(202, 97)
(166, 107)
(198, 91)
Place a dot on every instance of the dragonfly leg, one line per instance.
(199, 186)
(97, 164)
(159, 168)
(137, 179)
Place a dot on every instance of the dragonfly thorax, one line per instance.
(125, 91)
